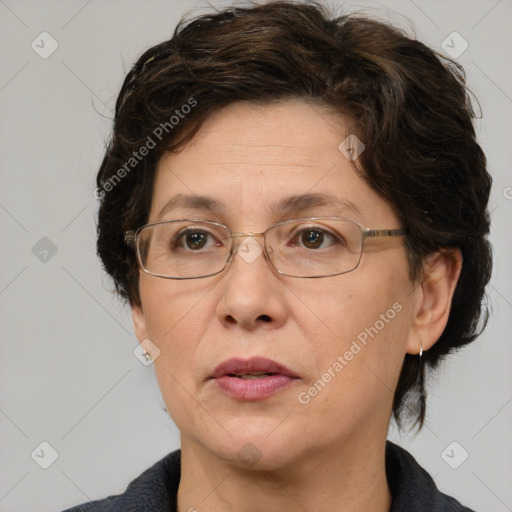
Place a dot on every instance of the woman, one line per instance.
(295, 207)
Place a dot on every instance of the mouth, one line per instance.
(252, 379)
(252, 375)
(253, 368)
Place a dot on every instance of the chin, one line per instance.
(256, 451)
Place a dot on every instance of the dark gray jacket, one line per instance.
(155, 490)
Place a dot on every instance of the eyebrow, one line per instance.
(291, 204)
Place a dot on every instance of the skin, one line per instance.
(327, 454)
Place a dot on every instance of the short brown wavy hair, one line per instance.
(407, 103)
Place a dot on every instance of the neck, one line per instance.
(349, 478)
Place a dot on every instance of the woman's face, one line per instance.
(344, 337)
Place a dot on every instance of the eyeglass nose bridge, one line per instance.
(236, 246)
(238, 234)
(245, 235)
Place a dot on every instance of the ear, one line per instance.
(139, 323)
(441, 273)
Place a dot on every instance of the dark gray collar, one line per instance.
(412, 487)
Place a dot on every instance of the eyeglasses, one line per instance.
(306, 248)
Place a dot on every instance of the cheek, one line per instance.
(353, 306)
(359, 337)
(174, 311)
(357, 366)
(177, 315)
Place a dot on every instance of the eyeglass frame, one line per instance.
(131, 239)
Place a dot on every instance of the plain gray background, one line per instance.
(68, 374)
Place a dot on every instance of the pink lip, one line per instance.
(255, 388)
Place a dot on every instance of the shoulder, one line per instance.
(412, 487)
(154, 489)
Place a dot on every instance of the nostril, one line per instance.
(265, 318)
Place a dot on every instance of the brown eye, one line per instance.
(312, 239)
(195, 240)
(192, 240)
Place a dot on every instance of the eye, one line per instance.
(193, 239)
(314, 238)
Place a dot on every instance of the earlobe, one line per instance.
(441, 273)
(139, 322)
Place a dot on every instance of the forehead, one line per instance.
(251, 160)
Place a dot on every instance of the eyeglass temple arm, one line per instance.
(130, 238)
(384, 232)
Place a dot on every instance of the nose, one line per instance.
(252, 294)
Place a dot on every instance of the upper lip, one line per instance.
(239, 366)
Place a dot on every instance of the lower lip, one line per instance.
(252, 389)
